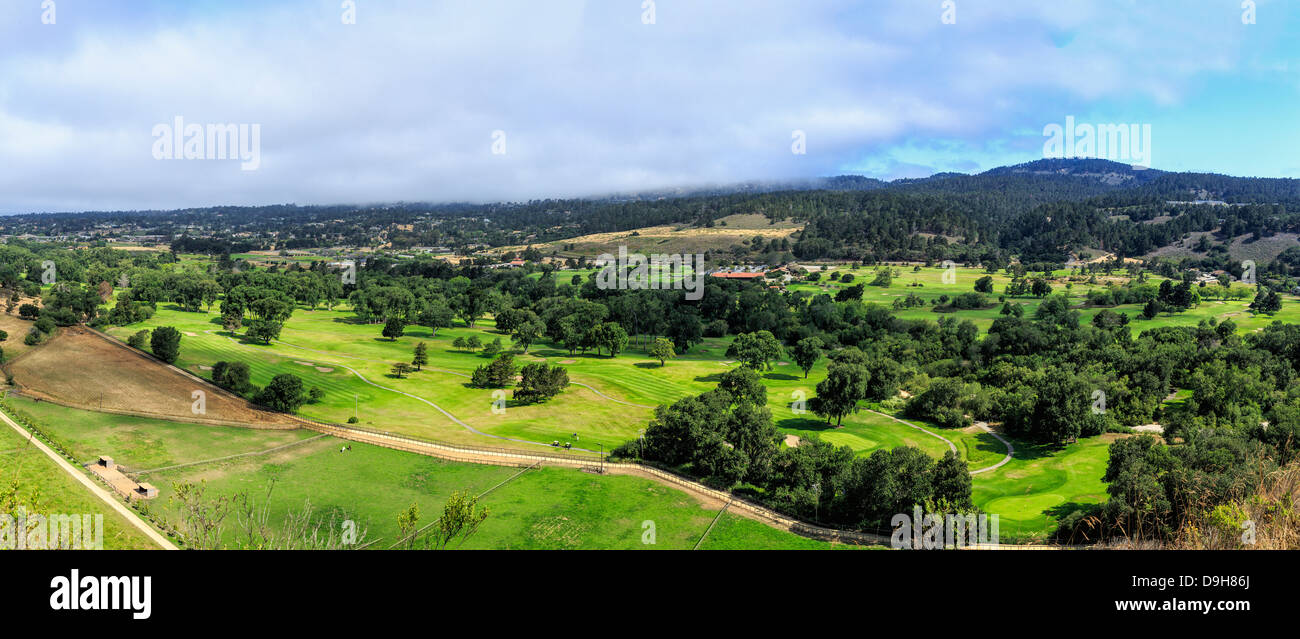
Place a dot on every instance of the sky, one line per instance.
(368, 101)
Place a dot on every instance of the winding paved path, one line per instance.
(951, 445)
(947, 441)
(1011, 450)
(90, 485)
(445, 412)
(443, 370)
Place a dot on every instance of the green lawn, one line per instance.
(333, 341)
(54, 492)
(332, 351)
(542, 508)
(1042, 484)
(140, 443)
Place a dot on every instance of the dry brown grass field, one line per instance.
(17, 329)
(673, 239)
(1241, 248)
(81, 369)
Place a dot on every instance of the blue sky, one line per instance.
(403, 104)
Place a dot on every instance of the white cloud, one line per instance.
(401, 105)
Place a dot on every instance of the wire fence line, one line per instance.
(509, 457)
(344, 430)
(579, 458)
(229, 457)
(711, 525)
(433, 523)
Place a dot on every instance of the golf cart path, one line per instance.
(90, 485)
(436, 407)
(443, 370)
(951, 445)
(719, 499)
(983, 426)
(1011, 450)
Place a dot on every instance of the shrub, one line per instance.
(165, 342)
(497, 374)
(138, 340)
(284, 393)
(233, 376)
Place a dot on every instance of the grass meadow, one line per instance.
(51, 491)
(350, 361)
(541, 508)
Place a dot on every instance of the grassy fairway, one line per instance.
(53, 491)
(346, 359)
(1042, 484)
(542, 508)
(330, 350)
(932, 287)
(141, 444)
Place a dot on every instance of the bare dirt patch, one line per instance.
(738, 229)
(82, 369)
(17, 329)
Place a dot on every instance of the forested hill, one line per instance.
(1040, 211)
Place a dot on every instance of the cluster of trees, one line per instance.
(1155, 490)
(539, 382)
(164, 342)
(1267, 301)
(286, 392)
(726, 437)
(497, 374)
